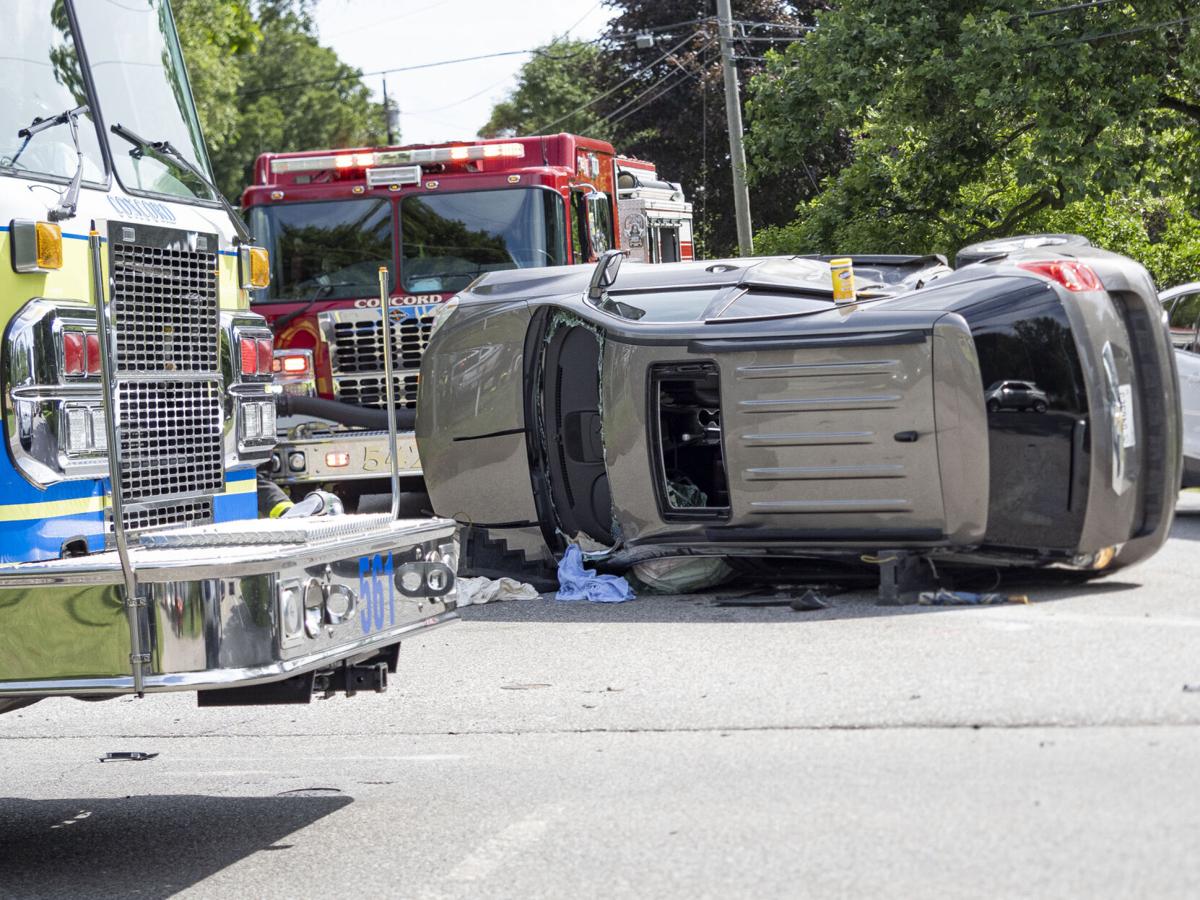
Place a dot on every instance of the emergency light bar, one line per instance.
(398, 157)
(394, 175)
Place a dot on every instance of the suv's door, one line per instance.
(1184, 316)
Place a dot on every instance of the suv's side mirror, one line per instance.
(599, 222)
(605, 273)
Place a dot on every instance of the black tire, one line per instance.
(1039, 406)
(993, 406)
(487, 556)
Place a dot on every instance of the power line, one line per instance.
(614, 89)
(680, 79)
(620, 109)
(1065, 9)
(1088, 39)
(536, 51)
(360, 75)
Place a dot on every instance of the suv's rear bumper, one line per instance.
(216, 606)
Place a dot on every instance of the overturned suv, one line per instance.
(733, 409)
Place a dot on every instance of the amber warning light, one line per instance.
(291, 364)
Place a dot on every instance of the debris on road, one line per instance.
(476, 591)
(577, 583)
(127, 756)
(944, 597)
(683, 574)
(801, 599)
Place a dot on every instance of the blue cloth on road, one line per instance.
(577, 583)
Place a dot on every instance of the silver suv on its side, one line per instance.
(732, 408)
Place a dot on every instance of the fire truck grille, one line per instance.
(165, 305)
(367, 390)
(171, 439)
(185, 512)
(358, 345)
(167, 364)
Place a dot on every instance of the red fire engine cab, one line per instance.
(437, 216)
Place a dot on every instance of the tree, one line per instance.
(668, 105)
(210, 32)
(552, 91)
(967, 121)
(263, 82)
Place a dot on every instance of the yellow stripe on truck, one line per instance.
(48, 509)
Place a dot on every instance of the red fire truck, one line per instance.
(438, 216)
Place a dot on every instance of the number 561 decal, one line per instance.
(374, 584)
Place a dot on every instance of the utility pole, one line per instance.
(733, 116)
(389, 116)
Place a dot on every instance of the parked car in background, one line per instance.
(1182, 304)
(732, 408)
(1018, 395)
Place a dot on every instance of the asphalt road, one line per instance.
(667, 747)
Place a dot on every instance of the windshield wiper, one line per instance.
(309, 303)
(168, 151)
(68, 201)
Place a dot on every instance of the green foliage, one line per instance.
(972, 119)
(672, 110)
(668, 108)
(263, 82)
(551, 91)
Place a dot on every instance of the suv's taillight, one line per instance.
(1071, 274)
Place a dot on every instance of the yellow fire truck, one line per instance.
(137, 403)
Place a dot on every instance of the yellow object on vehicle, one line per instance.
(842, 272)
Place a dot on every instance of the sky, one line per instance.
(449, 102)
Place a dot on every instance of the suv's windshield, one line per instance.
(324, 251)
(449, 239)
(39, 79)
(140, 83)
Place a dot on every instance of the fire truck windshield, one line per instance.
(137, 69)
(448, 239)
(39, 79)
(329, 250)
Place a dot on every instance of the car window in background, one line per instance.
(324, 251)
(140, 83)
(40, 77)
(1184, 313)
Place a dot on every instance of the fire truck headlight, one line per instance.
(254, 267)
(79, 427)
(36, 246)
(441, 314)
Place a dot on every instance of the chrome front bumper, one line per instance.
(305, 460)
(231, 605)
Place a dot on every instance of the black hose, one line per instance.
(343, 413)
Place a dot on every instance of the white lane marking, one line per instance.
(83, 814)
(489, 856)
(1102, 619)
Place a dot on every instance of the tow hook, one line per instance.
(349, 680)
